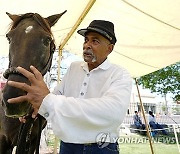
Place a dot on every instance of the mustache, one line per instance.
(89, 55)
(88, 51)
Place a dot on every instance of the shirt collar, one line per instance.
(104, 66)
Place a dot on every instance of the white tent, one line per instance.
(148, 31)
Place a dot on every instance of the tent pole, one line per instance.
(61, 46)
(78, 22)
(58, 80)
(146, 124)
(59, 65)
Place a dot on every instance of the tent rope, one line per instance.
(136, 60)
(151, 15)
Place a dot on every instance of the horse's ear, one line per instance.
(12, 16)
(54, 18)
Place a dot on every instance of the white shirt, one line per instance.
(152, 119)
(86, 104)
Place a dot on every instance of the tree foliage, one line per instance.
(164, 81)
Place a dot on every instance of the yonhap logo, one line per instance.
(103, 139)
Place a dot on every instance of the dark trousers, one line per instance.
(154, 125)
(94, 148)
(140, 126)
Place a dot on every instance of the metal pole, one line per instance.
(146, 124)
(177, 142)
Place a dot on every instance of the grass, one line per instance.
(159, 148)
(137, 144)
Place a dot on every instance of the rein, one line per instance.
(25, 134)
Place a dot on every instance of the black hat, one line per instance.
(105, 28)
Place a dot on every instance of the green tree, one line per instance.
(164, 81)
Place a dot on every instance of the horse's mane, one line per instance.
(40, 20)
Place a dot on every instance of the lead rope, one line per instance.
(24, 136)
(39, 133)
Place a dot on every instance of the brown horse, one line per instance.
(30, 43)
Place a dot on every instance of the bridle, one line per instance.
(25, 133)
(43, 24)
(26, 128)
(13, 70)
(46, 68)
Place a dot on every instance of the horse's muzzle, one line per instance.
(15, 109)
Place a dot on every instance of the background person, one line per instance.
(137, 121)
(92, 98)
(154, 125)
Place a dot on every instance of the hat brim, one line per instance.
(89, 29)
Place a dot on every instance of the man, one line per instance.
(137, 121)
(88, 106)
(154, 125)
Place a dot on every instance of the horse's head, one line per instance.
(30, 43)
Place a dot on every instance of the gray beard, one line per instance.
(89, 56)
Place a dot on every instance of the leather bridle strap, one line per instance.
(49, 62)
(24, 137)
(13, 70)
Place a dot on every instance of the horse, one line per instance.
(31, 42)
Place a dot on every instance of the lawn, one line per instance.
(145, 149)
(137, 144)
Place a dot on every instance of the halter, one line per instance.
(13, 70)
(25, 133)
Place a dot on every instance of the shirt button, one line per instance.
(82, 93)
(88, 74)
(85, 83)
(46, 115)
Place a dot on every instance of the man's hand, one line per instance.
(22, 119)
(35, 92)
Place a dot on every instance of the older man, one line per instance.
(90, 103)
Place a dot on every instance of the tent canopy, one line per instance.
(147, 31)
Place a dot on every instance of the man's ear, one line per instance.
(110, 47)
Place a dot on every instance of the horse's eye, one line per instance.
(8, 38)
(47, 41)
